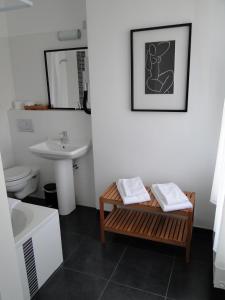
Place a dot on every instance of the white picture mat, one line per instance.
(175, 101)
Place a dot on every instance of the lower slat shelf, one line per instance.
(161, 228)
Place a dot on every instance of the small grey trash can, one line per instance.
(51, 195)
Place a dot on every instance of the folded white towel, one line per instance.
(170, 193)
(170, 207)
(144, 196)
(133, 186)
(13, 203)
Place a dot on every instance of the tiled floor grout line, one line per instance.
(84, 273)
(72, 252)
(154, 251)
(137, 289)
(83, 236)
(171, 272)
(115, 268)
(113, 272)
(69, 256)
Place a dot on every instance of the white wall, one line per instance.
(160, 147)
(27, 58)
(8, 262)
(31, 31)
(47, 16)
(6, 94)
(10, 285)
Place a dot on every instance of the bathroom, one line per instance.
(157, 146)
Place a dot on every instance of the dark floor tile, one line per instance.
(70, 285)
(190, 281)
(118, 238)
(83, 220)
(145, 270)
(217, 294)
(35, 201)
(94, 258)
(70, 242)
(202, 233)
(202, 245)
(145, 265)
(162, 248)
(118, 292)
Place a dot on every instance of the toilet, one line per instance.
(21, 180)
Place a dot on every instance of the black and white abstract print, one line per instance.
(159, 67)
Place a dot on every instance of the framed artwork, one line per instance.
(160, 63)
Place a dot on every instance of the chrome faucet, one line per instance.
(63, 137)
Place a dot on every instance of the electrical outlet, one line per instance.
(25, 125)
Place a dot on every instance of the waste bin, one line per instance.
(51, 195)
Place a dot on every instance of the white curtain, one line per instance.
(58, 79)
(218, 198)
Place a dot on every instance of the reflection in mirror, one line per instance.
(67, 77)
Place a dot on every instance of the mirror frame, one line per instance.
(47, 77)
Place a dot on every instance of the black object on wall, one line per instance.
(160, 64)
(85, 99)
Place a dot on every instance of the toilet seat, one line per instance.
(16, 173)
(21, 181)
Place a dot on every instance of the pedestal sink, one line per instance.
(62, 155)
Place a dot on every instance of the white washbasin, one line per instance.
(62, 155)
(55, 150)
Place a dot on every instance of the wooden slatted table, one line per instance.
(147, 220)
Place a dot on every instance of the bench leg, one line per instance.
(189, 237)
(102, 218)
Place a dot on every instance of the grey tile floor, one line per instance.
(127, 268)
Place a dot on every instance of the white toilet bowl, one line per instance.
(21, 180)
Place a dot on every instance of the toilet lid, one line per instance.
(16, 173)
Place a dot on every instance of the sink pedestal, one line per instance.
(65, 186)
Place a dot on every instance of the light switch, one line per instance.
(25, 125)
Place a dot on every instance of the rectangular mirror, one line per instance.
(67, 77)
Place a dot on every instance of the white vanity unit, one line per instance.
(63, 155)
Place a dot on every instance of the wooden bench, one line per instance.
(147, 220)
